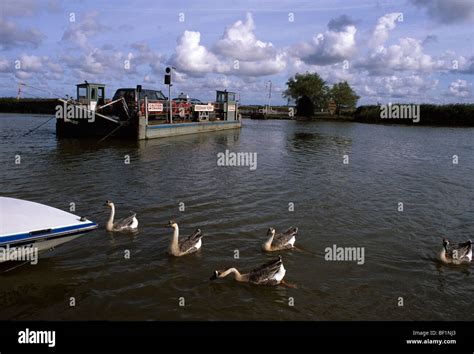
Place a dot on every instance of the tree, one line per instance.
(344, 96)
(310, 85)
(305, 107)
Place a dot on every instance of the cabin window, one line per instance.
(220, 97)
(152, 95)
(231, 97)
(94, 94)
(149, 93)
(81, 92)
(101, 97)
(129, 95)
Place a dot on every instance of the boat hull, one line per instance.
(168, 130)
(28, 228)
(31, 250)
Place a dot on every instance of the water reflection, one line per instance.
(298, 162)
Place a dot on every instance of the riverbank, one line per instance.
(439, 115)
(28, 105)
(435, 115)
(286, 113)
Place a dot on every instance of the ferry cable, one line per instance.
(32, 130)
(36, 88)
(113, 131)
(126, 109)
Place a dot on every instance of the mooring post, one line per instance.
(146, 109)
(143, 121)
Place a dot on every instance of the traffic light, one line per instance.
(168, 76)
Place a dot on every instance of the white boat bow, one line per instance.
(28, 224)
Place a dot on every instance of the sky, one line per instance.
(406, 51)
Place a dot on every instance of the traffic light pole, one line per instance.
(169, 104)
(168, 81)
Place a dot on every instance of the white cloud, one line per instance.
(54, 67)
(406, 55)
(13, 36)
(330, 73)
(79, 32)
(40, 67)
(332, 46)
(249, 89)
(262, 67)
(464, 65)
(369, 91)
(99, 64)
(19, 8)
(408, 88)
(195, 59)
(460, 88)
(31, 63)
(5, 66)
(149, 80)
(382, 29)
(238, 52)
(146, 56)
(239, 42)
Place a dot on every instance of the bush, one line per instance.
(445, 115)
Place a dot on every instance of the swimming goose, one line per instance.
(460, 253)
(129, 223)
(271, 273)
(277, 242)
(183, 247)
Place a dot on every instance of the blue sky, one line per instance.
(389, 51)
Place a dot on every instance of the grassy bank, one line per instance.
(442, 115)
(436, 115)
(28, 105)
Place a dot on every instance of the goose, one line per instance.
(190, 245)
(277, 242)
(271, 273)
(460, 253)
(129, 223)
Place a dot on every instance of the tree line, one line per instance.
(311, 93)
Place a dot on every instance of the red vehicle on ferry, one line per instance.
(157, 103)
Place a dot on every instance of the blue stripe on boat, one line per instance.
(27, 236)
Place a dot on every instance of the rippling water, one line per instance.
(351, 204)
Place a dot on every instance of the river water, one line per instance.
(301, 179)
